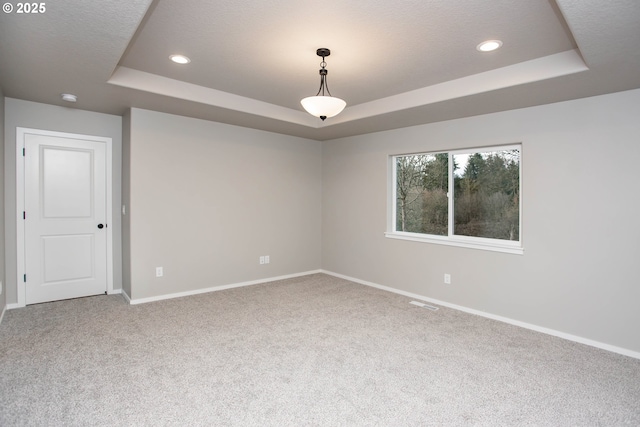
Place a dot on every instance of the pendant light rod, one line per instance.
(323, 52)
(323, 82)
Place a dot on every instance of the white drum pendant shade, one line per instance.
(323, 106)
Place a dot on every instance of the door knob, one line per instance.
(100, 226)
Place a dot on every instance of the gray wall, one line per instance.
(208, 199)
(33, 115)
(3, 288)
(581, 234)
(126, 226)
(126, 202)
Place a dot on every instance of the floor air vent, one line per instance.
(423, 305)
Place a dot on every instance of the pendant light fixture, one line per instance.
(321, 105)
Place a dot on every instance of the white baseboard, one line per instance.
(555, 333)
(2, 315)
(14, 306)
(214, 288)
(126, 296)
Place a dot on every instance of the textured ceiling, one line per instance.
(266, 50)
(395, 63)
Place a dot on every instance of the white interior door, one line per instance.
(65, 216)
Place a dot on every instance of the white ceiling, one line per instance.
(395, 63)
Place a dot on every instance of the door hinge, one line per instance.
(23, 152)
(25, 278)
(24, 215)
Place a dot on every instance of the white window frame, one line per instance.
(483, 243)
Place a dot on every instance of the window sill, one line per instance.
(463, 243)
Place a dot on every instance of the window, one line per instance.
(483, 210)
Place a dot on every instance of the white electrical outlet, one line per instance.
(266, 259)
(159, 272)
(261, 260)
(447, 279)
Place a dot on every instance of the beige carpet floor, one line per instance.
(310, 351)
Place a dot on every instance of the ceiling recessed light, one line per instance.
(489, 45)
(180, 59)
(69, 97)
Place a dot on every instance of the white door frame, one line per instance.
(20, 196)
